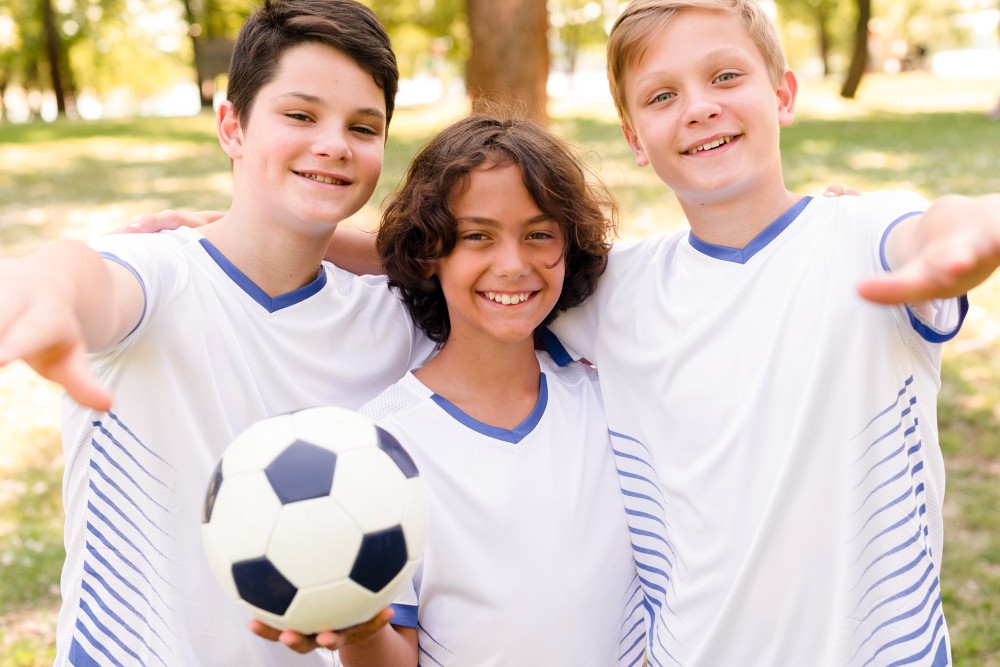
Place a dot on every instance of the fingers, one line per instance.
(891, 290)
(922, 280)
(53, 347)
(356, 634)
(838, 190)
(263, 630)
(296, 641)
(73, 373)
(328, 639)
(168, 219)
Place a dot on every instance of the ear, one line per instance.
(633, 142)
(786, 92)
(430, 269)
(229, 130)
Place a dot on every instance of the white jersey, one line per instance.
(777, 441)
(528, 558)
(211, 355)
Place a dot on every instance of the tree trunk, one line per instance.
(53, 51)
(859, 56)
(205, 89)
(823, 33)
(509, 62)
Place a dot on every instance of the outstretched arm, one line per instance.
(59, 303)
(951, 248)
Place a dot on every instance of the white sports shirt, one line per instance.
(528, 558)
(211, 355)
(777, 441)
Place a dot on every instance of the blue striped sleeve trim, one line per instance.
(404, 615)
(145, 294)
(551, 344)
(926, 331)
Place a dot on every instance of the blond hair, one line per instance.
(634, 29)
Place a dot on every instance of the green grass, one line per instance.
(81, 179)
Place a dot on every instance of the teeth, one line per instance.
(324, 179)
(710, 145)
(508, 299)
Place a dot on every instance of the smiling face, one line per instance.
(505, 273)
(703, 111)
(310, 154)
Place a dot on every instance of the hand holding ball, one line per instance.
(314, 520)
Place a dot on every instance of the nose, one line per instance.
(509, 260)
(701, 107)
(333, 144)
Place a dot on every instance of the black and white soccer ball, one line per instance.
(314, 520)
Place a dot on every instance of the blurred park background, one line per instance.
(106, 114)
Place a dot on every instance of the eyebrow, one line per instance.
(489, 222)
(710, 58)
(315, 99)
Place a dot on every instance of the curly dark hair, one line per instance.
(418, 228)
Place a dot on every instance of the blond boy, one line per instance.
(775, 433)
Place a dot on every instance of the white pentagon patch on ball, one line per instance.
(314, 520)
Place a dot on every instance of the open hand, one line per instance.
(46, 335)
(955, 246)
(329, 639)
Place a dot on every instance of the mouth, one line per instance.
(712, 145)
(508, 298)
(322, 178)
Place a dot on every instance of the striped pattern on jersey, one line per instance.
(646, 512)
(123, 617)
(631, 642)
(896, 616)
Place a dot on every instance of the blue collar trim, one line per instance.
(758, 243)
(257, 294)
(512, 436)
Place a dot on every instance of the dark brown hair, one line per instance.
(278, 25)
(418, 228)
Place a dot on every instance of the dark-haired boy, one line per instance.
(200, 333)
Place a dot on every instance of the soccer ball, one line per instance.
(314, 520)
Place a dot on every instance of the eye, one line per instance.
(726, 76)
(662, 97)
(541, 236)
(473, 236)
(366, 130)
(299, 116)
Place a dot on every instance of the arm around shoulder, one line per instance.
(354, 250)
(61, 302)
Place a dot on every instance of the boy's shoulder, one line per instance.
(345, 280)
(569, 374)
(395, 400)
(163, 241)
(874, 205)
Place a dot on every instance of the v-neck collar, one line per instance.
(758, 243)
(271, 304)
(512, 436)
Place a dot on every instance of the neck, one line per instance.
(275, 258)
(497, 385)
(735, 221)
